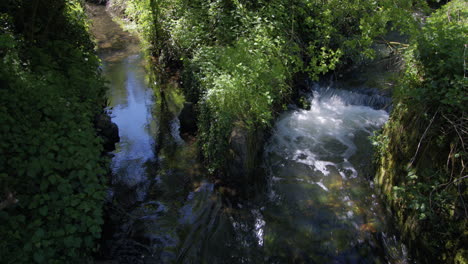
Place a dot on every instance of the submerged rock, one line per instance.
(188, 119)
(97, 2)
(108, 131)
(301, 91)
(245, 156)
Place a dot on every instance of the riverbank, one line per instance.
(422, 150)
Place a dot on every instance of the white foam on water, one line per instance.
(259, 226)
(320, 183)
(324, 136)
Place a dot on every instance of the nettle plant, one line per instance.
(51, 165)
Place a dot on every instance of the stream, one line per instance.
(319, 205)
(322, 208)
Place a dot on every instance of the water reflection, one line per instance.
(133, 230)
(131, 102)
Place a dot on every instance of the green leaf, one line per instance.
(38, 235)
(43, 210)
(44, 185)
(38, 257)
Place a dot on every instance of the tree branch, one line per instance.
(422, 137)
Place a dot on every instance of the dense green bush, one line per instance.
(438, 60)
(241, 85)
(423, 147)
(50, 155)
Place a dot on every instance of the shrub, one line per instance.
(242, 85)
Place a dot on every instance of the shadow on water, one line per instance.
(318, 206)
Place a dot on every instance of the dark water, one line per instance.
(319, 205)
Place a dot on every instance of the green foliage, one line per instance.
(334, 33)
(141, 13)
(241, 84)
(441, 55)
(50, 156)
(422, 150)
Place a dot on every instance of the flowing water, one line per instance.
(322, 207)
(319, 205)
(130, 105)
